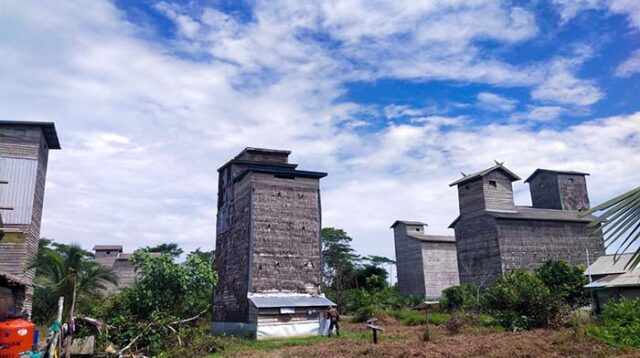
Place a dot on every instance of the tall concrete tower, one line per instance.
(268, 254)
(24, 152)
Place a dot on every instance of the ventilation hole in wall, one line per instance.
(259, 267)
(108, 252)
(570, 180)
(303, 228)
(466, 187)
(269, 227)
(300, 196)
(417, 229)
(277, 263)
(279, 194)
(493, 183)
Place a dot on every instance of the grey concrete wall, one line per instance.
(232, 258)
(498, 192)
(559, 191)
(440, 264)
(411, 280)
(573, 192)
(285, 242)
(478, 252)
(526, 244)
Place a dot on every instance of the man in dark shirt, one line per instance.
(334, 318)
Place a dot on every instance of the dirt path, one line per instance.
(400, 341)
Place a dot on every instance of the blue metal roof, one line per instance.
(290, 301)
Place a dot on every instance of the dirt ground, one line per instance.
(402, 341)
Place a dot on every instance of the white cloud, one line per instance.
(571, 8)
(143, 130)
(496, 103)
(540, 113)
(562, 86)
(630, 66)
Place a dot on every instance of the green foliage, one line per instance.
(564, 281)
(520, 300)
(371, 278)
(410, 317)
(172, 249)
(165, 292)
(58, 268)
(464, 296)
(471, 322)
(619, 323)
(339, 260)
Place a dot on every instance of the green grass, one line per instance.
(416, 318)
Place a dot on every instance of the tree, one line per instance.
(620, 221)
(339, 259)
(166, 292)
(564, 281)
(206, 256)
(69, 271)
(381, 260)
(171, 248)
(371, 277)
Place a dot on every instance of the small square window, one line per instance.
(493, 183)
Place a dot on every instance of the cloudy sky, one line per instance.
(393, 99)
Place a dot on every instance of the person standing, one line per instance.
(334, 319)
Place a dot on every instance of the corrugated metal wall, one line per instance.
(18, 194)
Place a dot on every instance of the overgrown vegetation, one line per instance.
(619, 323)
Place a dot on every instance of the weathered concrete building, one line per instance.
(427, 264)
(113, 257)
(267, 247)
(24, 153)
(494, 236)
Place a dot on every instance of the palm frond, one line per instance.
(620, 221)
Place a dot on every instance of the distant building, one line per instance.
(113, 257)
(13, 291)
(267, 247)
(24, 153)
(494, 236)
(612, 280)
(427, 264)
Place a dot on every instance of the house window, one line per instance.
(493, 183)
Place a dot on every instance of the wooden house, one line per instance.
(494, 236)
(24, 153)
(268, 253)
(427, 264)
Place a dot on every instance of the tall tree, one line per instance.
(339, 259)
(69, 271)
(381, 261)
(166, 248)
(620, 220)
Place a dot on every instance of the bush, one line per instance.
(416, 318)
(520, 300)
(564, 281)
(464, 321)
(619, 323)
(460, 297)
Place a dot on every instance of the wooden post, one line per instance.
(375, 336)
(374, 329)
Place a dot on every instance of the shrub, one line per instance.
(471, 322)
(415, 318)
(619, 323)
(564, 281)
(460, 297)
(520, 300)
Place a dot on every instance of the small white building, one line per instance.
(611, 279)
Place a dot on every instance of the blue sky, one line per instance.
(392, 99)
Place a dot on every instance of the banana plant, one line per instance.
(620, 220)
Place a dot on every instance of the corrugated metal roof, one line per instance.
(484, 172)
(627, 279)
(432, 238)
(538, 171)
(13, 280)
(527, 213)
(607, 264)
(290, 301)
(408, 222)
